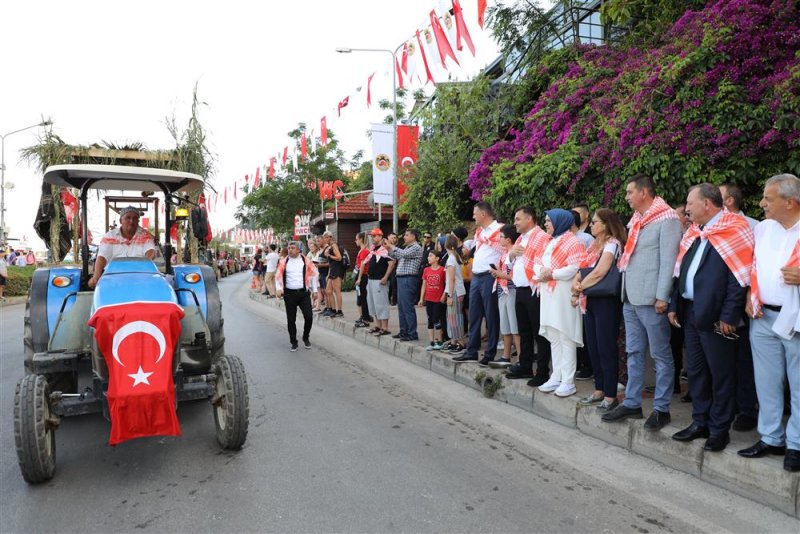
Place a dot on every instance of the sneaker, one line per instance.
(657, 421)
(306, 343)
(590, 399)
(360, 324)
(584, 374)
(293, 347)
(328, 313)
(537, 381)
(337, 314)
(550, 386)
(399, 335)
(466, 358)
(502, 363)
(456, 349)
(437, 345)
(431, 346)
(565, 390)
(607, 406)
(485, 361)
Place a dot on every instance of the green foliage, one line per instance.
(19, 280)
(462, 120)
(292, 191)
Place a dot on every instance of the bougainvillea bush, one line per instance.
(717, 100)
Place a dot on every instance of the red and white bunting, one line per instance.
(443, 46)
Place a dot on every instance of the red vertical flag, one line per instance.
(323, 131)
(369, 89)
(226, 195)
(235, 187)
(137, 341)
(425, 60)
(461, 28)
(257, 179)
(442, 44)
(342, 104)
(303, 146)
(271, 173)
(399, 72)
(407, 153)
(285, 155)
(481, 12)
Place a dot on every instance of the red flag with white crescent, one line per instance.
(138, 341)
(323, 132)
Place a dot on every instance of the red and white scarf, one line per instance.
(732, 238)
(755, 300)
(568, 251)
(492, 238)
(534, 250)
(379, 252)
(659, 211)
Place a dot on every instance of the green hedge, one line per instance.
(19, 280)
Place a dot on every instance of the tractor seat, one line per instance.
(132, 280)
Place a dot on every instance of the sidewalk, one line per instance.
(763, 480)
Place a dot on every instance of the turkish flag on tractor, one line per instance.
(138, 341)
(407, 144)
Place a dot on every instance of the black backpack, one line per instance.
(345, 258)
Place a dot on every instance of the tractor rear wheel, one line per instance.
(34, 429)
(231, 402)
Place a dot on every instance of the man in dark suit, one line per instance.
(708, 301)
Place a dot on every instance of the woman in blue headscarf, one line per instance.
(561, 323)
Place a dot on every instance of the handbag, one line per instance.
(609, 286)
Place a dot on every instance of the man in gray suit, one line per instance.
(647, 264)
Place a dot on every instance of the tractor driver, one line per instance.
(129, 240)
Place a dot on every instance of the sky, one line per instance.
(112, 71)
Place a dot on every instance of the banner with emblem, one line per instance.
(138, 341)
(382, 168)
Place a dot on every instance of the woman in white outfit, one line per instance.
(561, 323)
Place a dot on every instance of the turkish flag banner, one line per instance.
(137, 341)
(407, 145)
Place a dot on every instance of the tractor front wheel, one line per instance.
(230, 402)
(34, 429)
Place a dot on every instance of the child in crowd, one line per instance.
(433, 281)
(454, 292)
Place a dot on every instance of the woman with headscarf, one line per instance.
(561, 323)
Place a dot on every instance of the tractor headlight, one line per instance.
(62, 281)
(192, 278)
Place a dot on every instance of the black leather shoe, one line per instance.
(622, 412)
(537, 381)
(516, 371)
(691, 433)
(657, 421)
(761, 449)
(792, 460)
(717, 443)
(399, 335)
(744, 423)
(485, 361)
(465, 358)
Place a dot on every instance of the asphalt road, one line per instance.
(346, 439)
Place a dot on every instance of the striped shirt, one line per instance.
(409, 259)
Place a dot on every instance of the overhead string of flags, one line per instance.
(433, 51)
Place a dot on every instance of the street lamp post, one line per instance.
(3, 175)
(395, 196)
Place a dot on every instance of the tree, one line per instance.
(293, 191)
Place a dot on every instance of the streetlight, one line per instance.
(395, 199)
(3, 175)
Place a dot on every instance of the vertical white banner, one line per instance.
(382, 159)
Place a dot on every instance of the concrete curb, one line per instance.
(763, 480)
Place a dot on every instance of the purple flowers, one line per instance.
(720, 97)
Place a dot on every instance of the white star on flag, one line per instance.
(140, 377)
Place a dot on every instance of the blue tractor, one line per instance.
(65, 373)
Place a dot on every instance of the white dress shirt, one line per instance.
(774, 245)
(294, 273)
(486, 254)
(518, 275)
